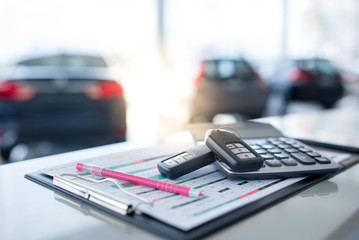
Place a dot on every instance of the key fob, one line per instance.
(232, 150)
(186, 162)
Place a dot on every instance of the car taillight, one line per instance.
(198, 79)
(16, 91)
(104, 90)
(301, 76)
(121, 131)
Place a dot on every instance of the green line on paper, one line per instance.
(171, 196)
(84, 174)
(187, 180)
(152, 190)
(125, 185)
(201, 186)
(158, 177)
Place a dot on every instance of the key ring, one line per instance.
(231, 130)
(225, 128)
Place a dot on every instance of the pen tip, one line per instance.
(201, 194)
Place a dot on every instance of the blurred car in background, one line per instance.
(312, 79)
(69, 98)
(228, 86)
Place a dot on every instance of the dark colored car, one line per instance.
(228, 86)
(313, 79)
(69, 98)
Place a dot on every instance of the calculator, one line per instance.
(283, 157)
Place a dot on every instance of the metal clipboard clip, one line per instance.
(97, 197)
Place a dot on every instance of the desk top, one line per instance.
(329, 210)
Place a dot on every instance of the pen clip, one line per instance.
(86, 194)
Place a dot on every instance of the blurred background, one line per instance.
(79, 74)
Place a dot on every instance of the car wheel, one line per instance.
(5, 153)
(328, 104)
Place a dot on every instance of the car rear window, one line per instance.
(228, 69)
(65, 61)
(317, 65)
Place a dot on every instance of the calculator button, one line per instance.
(245, 155)
(304, 149)
(267, 156)
(289, 162)
(274, 141)
(273, 163)
(267, 146)
(296, 145)
(170, 163)
(289, 140)
(303, 158)
(261, 151)
(283, 146)
(313, 154)
(255, 146)
(281, 156)
(291, 150)
(322, 160)
(274, 150)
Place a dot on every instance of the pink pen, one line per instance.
(168, 187)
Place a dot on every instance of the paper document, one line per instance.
(221, 195)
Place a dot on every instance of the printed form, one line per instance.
(221, 194)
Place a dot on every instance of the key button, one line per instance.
(187, 157)
(245, 155)
(179, 159)
(235, 151)
(170, 163)
(238, 145)
(243, 150)
(230, 146)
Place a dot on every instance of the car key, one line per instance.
(185, 162)
(232, 150)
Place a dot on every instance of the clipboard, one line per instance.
(162, 229)
(123, 211)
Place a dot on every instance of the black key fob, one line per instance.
(233, 151)
(186, 162)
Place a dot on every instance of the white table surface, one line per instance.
(328, 210)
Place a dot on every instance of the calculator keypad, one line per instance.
(283, 157)
(287, 152)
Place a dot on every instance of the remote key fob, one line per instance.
(185, 162)
(233, 151)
